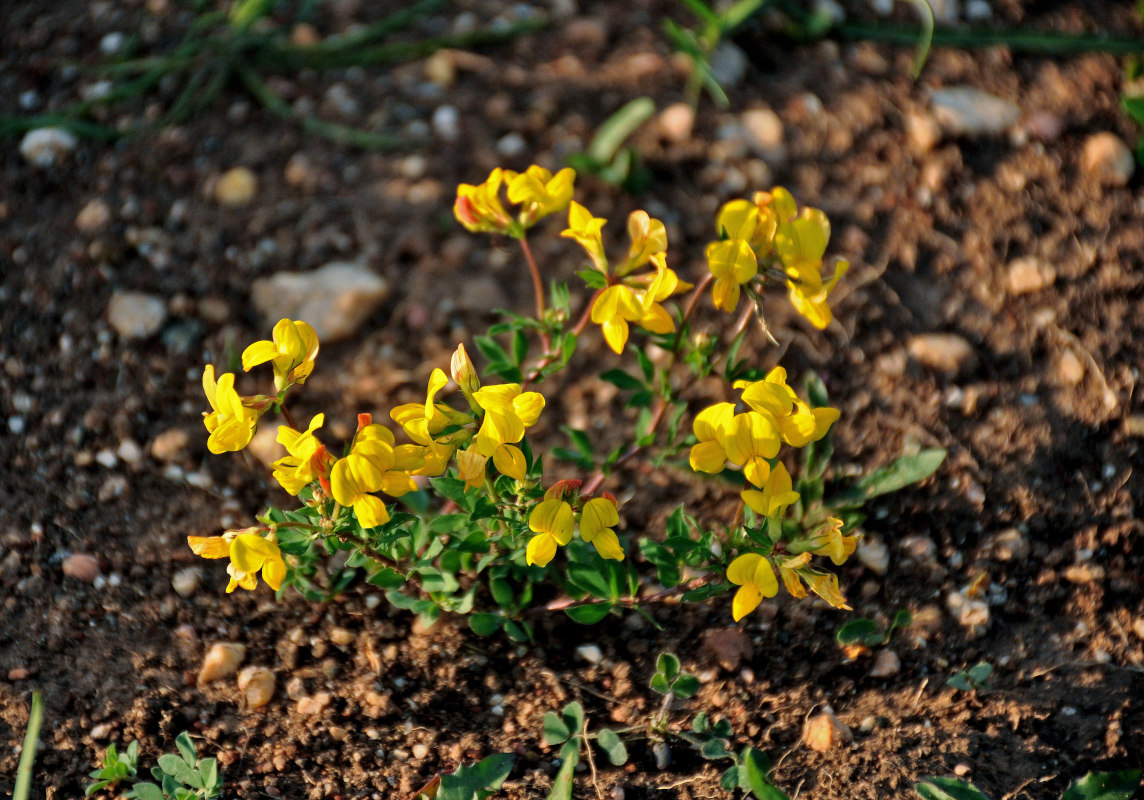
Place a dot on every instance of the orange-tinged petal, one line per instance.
(209, 546)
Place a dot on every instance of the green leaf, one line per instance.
(562, 783)
(147, 791)
(573, 714)
(554, 729)
(589, 614)
(659, 684)
(519, 347)
(701, 723)
(622, 380)
(593, 278)
(208, 769)
(860, 631)
(186, 749)
(714, 749)
(1133, 107)
(486, 775)
(485, 624)
(667, 664)
(754, 775)
(581, 441)
(685, 686)
(903, 619)
(386, 578)
(898, 475)
(178, 769)
(491, 350)
(948, 789)
(1104, 786)
(587, 578)
(612, 746)
(729, 780)
(517, 632)
(618, 127)
(979, 673)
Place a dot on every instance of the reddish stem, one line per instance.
(537, 291)
(551, 355)
(631, 602)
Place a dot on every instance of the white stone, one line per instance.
(447, 123)
(965, 111)
(590, 653)
(45, 147)
(335, 299)
(135, 315)
(886, 664)
(764, 132)
(82, 567)
(944, 352)
(129, 451)
(221, 661)
(675, 122)
(256, 685)
(511, 145)
(729, 64)
(1028, 275)
(93, 217)
(873, 555)
(186, 581)
(1107, 159)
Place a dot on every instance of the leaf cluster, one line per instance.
(178, 776)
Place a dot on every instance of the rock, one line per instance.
(301, 172)
(335, 299)
(675, 123)
(873, 555)
(728, 646)
(943, 352)
(114, 486)
(135, 315)
(107, 458)
(338, 733)
(82, 567)
(1029, 274)
(256, 685)
(511, 145)
(970, 612)
(93, 217)
(186, 581)
(764, 133)
(264, 445)
(729, 64)
(1134, 425)
(824, 731)
(447, 122)
(1044, 126)
(919, 548)
(221, 661)
(214, 310)
(441, 68)
(305, 35)
(1081, 574)
(1107, 159)
(309, 705)
(1070, 369)
(342, 636)
(45, 147)
(236, 187)
(922, 132)
(590, 653)
(662, 754)
(886, 664)
(1009, 545)
(420, 750)
(129, 451)
(965, 111)
(481, 294)
(170, 445)
(1138, 627)
(18, 674)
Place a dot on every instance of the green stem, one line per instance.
(1038, 42)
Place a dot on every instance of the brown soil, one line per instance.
(930, 232)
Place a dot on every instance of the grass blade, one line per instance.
(28, 753)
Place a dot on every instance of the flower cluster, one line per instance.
(553, 520)
(536, 191)
(249, 553)
(770, 230)
(627, 297)
(750, 439)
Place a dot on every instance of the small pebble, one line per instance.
(420, 750)
(112, 43)
(1028, 275)
(944, 352)
(256, 685)
(186, 581)
(920, 548)
(338, 733)
(590, 653)
(965, 111)
(824, 731)
(447, 123)
(662, 754)
(101, 732)
(129, 451)
(511, 145)
(170, 444)
(886, 664)
(675, 123)
(82, 567)
(236, 187)
(1009, 545)
(764, 130)
(961, 770)
(868, 724)
(1070, 369)
(1081, 574)
(309, 705)
(342, 636)
(107, 458)
(221, 661)
(873, 555)
(729, 64)
(135, 315)
(45, 147)
(17, 424)
(93, 217)
(970, 612)
(1107, 159)
(17, 674)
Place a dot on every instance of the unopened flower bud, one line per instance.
(463, 372)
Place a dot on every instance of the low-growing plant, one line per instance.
(1093, 786)
(474, 524)
(710, 739)
(699, 44)
(178, 776)
(858, 635)
(973, 679)
(470, 782)
(608, 158)
(28, 751)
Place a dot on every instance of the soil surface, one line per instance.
(104, 453)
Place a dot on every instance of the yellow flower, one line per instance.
(479, 207)
(292, 353)
(711, 426)
(249, 553)
(825, 585)
(613, 309)
(540, 193)
(585, 229)
(808, 292)
(231, 422)
(788, 569)
(423, 421)
(552, 521)
(369, 467)
(753, 439)
(508, 412)
(777, 494)
(755, 577)
(295, 471)
(828, 541)
(733, 263)
(471, 468)
(597, 519)
(805, 424)
(800, 244)
(620, 304)
(750, 222)
(649, 238)
(463, 372)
